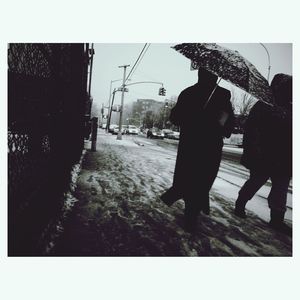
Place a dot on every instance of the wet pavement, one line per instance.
(118, 211)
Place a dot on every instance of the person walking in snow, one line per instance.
(202, 125)
(268, 152)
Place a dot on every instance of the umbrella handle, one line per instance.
(217, 84)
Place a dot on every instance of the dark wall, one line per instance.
(47, 95)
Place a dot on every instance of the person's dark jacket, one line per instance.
(201, 138)
(267, 139)
(189, 111)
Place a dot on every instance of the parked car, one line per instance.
(131, 129)
(112, 127)
(154, 133)
(175, 135)
(144, 130)
(116, 129)
(170, 134)
(167, 132)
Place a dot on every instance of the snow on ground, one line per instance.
(229, 185)
(119, 212)
(233, 149)
(231, 178)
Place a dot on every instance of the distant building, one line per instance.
(142, 106)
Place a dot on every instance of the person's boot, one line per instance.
(190, 225)
(165, 198)
(190, 218)
(239, 209)
(170, 197)
(277, 223)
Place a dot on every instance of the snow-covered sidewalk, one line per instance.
(119, 213)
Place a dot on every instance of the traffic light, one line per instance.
(162, 91)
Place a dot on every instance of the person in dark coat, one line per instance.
(202, 128)
(268, 151)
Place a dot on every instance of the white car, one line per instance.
(112, 127)
(175, 135)
(154, 133)
(167, 132)
(131, 129)
(116, 129)
(170, 134)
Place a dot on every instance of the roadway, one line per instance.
(231, 173)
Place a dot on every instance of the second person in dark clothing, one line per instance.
(268, 152)
(202, 129)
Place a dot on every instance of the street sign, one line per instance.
(194, 66)
(116, 108)
(121, 89)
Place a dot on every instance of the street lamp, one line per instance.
(109, 99)
(269, 61)
(110, 94)
(110, 110)
(161, 91)
(111, 82)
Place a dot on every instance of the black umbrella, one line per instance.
(229, 65)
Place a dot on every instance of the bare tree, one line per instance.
(174, 98)
(242, 102)
(96, 110)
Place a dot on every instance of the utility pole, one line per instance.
(110, 110)
(102, 113)
(166, 105)
(119, 136)
(91, 68)
(94, 133)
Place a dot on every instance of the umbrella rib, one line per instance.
(217, 84)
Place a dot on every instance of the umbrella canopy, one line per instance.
(281, 81)
(229, 65)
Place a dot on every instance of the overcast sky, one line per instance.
(163, 64)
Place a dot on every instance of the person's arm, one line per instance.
(252, 135)
(176, 112)
(226, 118)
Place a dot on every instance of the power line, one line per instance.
(141, 59)
(136, 62)
(131, 71)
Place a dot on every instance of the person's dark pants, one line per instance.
(196, 198)
(195, 172)
(278, 194)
